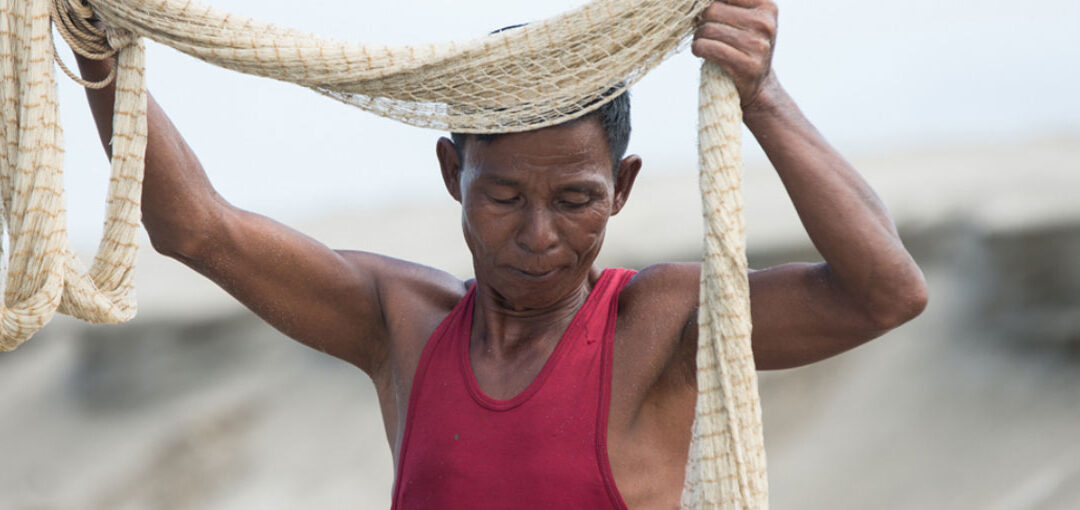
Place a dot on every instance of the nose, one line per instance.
(537, 233)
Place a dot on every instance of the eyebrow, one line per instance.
(499, 180)
(582, 187)
(586, 187)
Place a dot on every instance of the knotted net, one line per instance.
(526, 78)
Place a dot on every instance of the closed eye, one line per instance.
(574, 205)
(575, 199)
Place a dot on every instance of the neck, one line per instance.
(502, 330)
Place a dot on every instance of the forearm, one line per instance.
(846, 221)
(179, 205)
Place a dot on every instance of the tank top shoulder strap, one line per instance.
(604, 296)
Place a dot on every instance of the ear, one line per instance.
(450, 165)
(628, 172)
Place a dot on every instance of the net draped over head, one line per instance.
(538, 75)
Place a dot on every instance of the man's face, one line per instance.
(535, 206)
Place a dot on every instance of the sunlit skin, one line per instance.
(534, 219)
(534, 209)
(535, 206)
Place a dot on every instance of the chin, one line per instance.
(528, 296)
(525, 291)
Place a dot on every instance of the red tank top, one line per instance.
(545, 448)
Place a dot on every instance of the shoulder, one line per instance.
(400, 282)
(655, 309)
(412, 298)
(666, 287)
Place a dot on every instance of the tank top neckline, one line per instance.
(483, 399)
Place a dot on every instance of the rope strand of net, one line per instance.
(73, 20)
(528, 78)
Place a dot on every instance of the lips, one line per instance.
(534, 273)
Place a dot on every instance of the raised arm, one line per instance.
(330, 300)
(868, 283)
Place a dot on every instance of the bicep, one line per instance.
(326, 299)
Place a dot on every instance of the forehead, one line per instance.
(575, 149)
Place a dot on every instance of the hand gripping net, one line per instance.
(539, 75)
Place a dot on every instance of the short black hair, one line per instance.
(613, 115)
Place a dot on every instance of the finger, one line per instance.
(750, 4)
(727, 34)
(759, 20)
(720, 12)
(730, 58)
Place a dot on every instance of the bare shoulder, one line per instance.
(670, 287)
(655, 309)
(405, 288)
(402, 272)
(413, 299)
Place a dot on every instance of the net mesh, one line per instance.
(525, 78)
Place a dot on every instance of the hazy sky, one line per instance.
(873, 76)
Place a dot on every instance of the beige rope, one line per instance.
(727, 453)
(539, 75)
(44, 275)
(72, 21)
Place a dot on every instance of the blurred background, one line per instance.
(963, 115)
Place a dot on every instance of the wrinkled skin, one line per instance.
(534, 210)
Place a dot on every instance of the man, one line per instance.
(547, 381)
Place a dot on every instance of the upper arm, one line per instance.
(799, 316)
(659, 307)
(333, 301)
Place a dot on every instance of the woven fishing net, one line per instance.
(539, 75)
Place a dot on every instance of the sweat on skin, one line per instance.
(534, 210)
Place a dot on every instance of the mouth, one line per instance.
(534, 274)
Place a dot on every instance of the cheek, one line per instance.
(585, 232)
(484, 230)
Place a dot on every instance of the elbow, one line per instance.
(175, 245)
(900, 301)
(188, 239)
(178, 243)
